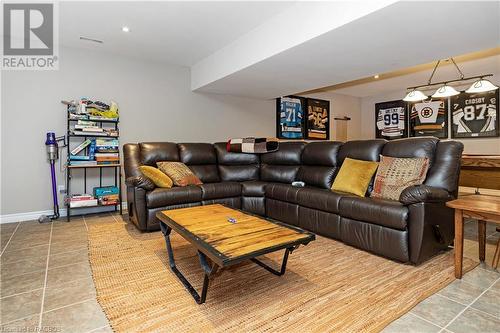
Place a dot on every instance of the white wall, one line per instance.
(340, 106)
(156, 104)
(486, 146)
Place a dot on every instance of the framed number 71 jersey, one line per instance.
(391, 120)
(475, 115)
(290, 117)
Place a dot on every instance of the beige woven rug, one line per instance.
(328, 287)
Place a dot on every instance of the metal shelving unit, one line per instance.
(70, 168)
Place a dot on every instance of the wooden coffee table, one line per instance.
(483, 208)
(225, 236)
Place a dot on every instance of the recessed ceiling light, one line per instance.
(125, 29)
(376, 76)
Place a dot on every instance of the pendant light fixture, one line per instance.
(445, 90)
(415, 96)
(480, 86)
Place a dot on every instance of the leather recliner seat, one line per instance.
(412, 229)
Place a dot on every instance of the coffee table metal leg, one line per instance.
(203, 262)
(283, 264)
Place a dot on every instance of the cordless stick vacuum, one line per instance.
(53, 155)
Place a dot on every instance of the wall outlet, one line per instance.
(61, 189)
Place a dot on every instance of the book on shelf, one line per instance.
(110, 199)
(106, 190)
(107, 150)
(105, 132)
(83, 163)
(81, 200)
(79, 158)
(77, 116)
(101, 142)
(83, 203)
(80, 147)
(106, 154)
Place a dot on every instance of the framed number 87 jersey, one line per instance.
(475, 115)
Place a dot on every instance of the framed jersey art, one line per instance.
(318, 119)
(475, 115)
(391, 120)
(290, 117)
(429, 118)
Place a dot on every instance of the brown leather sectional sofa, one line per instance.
(409, 230)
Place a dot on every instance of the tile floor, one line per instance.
(46, 284)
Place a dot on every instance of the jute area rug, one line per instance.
(328, 287)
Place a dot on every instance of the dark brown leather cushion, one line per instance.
(289, 153)
(319, 176)
(282, 192)
(239, 173)
(236, 167)
(201, 159)
(220, 190)
(253, 188)
(446, 168)
(197, 153)
(388, 213)
(319, 160)
(321, 153)
(160, 197)
(412, 147)
(278, 173)
(207, 173)
(131, 160)
(226, 158)
(324, 200)
(423, 193)
(366, 150)
(152, 152)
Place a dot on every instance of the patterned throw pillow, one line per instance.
(179, 173)
(156, 176)
(396, 174)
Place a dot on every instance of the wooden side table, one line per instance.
(484, 208)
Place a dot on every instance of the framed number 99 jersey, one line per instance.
(475, 115)
(391, 119)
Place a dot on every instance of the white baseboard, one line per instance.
(30, 216)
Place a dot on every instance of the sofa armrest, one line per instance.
(140, 182)
(424, 193)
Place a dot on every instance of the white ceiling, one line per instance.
(400, 35)
(489, 65)
(388, 38)
(179, 33)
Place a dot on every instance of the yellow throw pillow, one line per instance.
(157, 176)
(180, 174)
(354, 176)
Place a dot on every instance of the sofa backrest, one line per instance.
(236, 167)
(412, 147)
(153, 152)
(367, 150)
(446, 167)
(283, 165)
(201, 159)
(319, 163)
(315, 163)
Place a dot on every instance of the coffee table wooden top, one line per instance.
(209, 229)
(477, 203)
